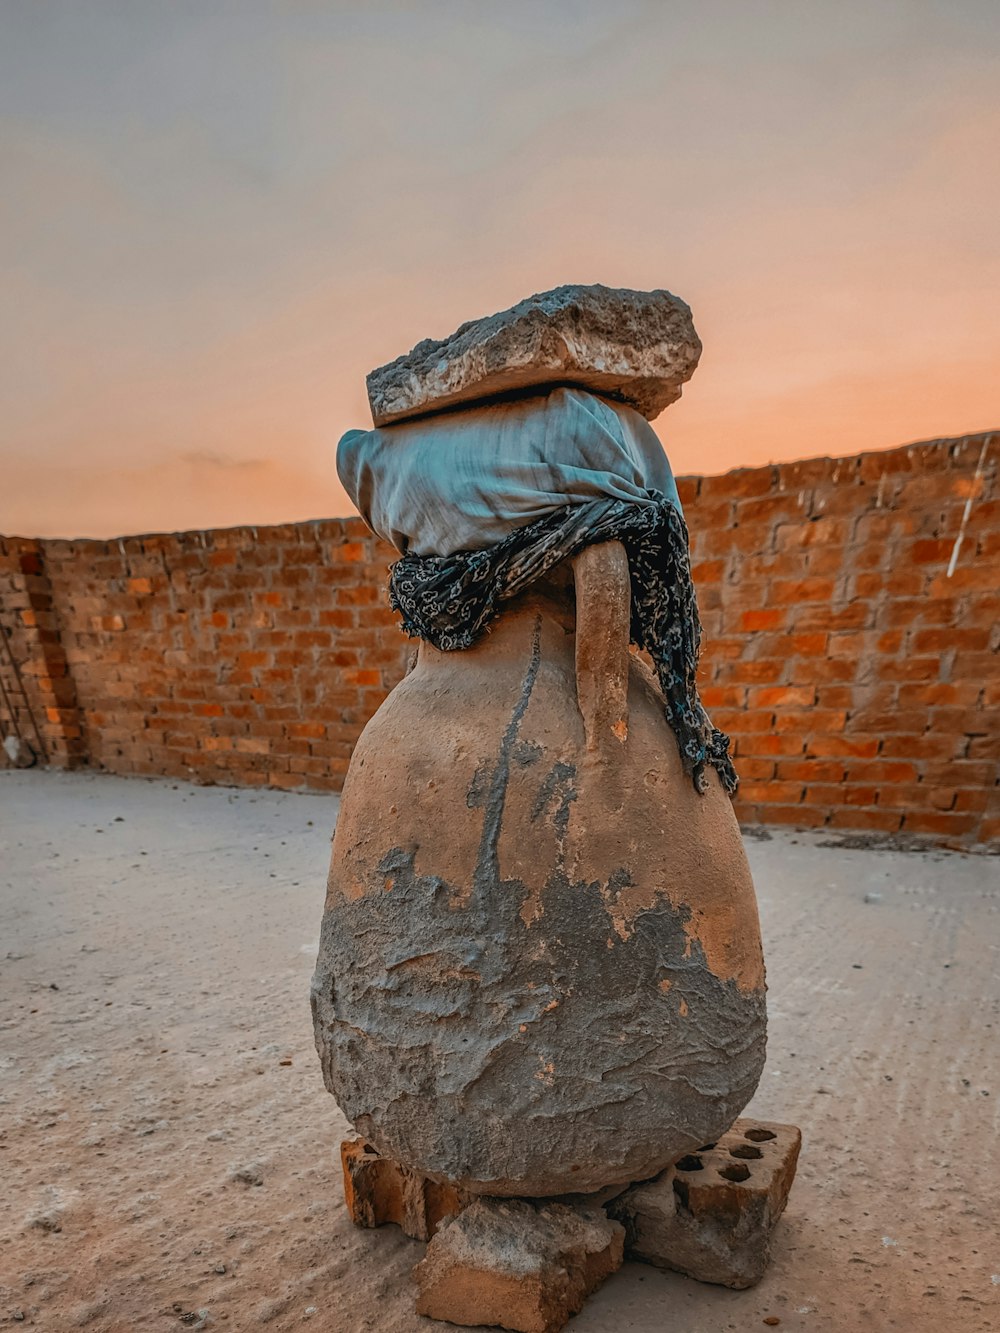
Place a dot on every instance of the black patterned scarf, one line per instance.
(449, 600)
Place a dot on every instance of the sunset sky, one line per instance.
(218, 215)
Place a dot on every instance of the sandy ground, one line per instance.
(168, 1152)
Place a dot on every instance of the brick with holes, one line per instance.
(712, 1213)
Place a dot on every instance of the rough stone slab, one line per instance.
(378, 1190)
(636, 347)
(518, 1265)
(711, 1215)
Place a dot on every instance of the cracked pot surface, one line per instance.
(540, 967)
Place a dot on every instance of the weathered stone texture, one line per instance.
(636, 347)
(518, 1265)
(379, 1189)
(711, 1215)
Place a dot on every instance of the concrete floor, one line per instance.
(168, 1151)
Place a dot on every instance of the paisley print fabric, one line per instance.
(449, 600)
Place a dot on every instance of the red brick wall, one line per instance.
(247, 655)
(861, 683)
(37, 694)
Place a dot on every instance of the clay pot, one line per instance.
(540, 969)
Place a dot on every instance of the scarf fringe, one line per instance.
(451, 600)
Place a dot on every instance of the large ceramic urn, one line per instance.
(540, 969)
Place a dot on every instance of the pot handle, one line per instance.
(603, 607)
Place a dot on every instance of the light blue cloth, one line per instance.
(462, 480)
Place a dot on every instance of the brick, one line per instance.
(307, 730)
(853, 615)
(908, 668)
(981, 577)
(822, 670)
(825, 720)
(808, 645)
(936, 694)
(867, 585)
(824, 746)
(810, 770)
(792, 592)
(781, 696)
(798, 816)
(875, 466)
(747, 538)
(945, 640)
(885, 719)
(769, 565)
(772, 792)
(959, 772)
(708, 571)
(769, 509)
(252, 745)
(816, 532)
(769, 744)
(338, 619)
(876, 821)
(252, 659)
(931, 550)
(952, 824)
(712, 1215)
(751, 671)
(744, 482)
(884, 770)
(214, 743)
(923, 747)
(741, 723)
(852, 794)
(754, 769)
(835, 697)
(723, 696)
(527, 1266)
(379, 1190)
(851, 644)
(763, 618)
(361, 596)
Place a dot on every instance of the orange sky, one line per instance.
(218, 217)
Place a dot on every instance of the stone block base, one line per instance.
(711, 1214)
(379, 1189)
(519, 1265)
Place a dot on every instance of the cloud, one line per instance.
(212, 231)
(203, 458)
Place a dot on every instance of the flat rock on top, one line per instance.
(636, 347)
